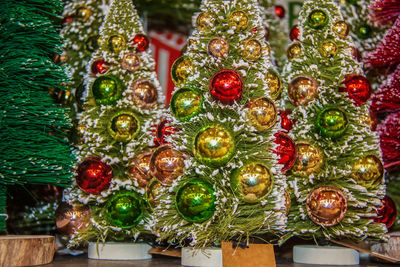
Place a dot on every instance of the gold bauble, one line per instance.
(253, 181)
(262, 113)
(181, 69)
(341, 29)
(83, 13)
(130, 61)
(214, 145)
(302, 90)
(124, 126)
(326, 205)
(239, 20)
(144, 93)
(153, 193)
(140, 168)
(328, 49)
(166, 164)
(288, 202)
(274, 84)
(368, 170)
(218, 47)
(251, 50)
(116, 43)
(294, 51)
(205, 22)
(309, 160)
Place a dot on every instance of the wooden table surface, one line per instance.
(162, 261)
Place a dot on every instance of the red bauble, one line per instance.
(68, 19)
(286, 150)
(93, 176)
(358, 88)
(226, 86)
(286, 123)
(99, 66)
(161, 131)
(387, 213)
(141, 42)
(280, 11)
(294, 33)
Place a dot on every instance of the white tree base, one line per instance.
(325, 255)
(118, 251)
(202, 257)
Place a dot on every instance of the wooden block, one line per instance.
(163, 251)
(26, 250)
(390, 249)
(260, 255)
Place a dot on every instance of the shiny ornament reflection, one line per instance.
(186, 103)
(262, 113)
(252, 50)
(140, 168)
(93, 176)
(130, 61)
(218, 47)
(274, 83)
(331, 122)
(71, 219)
(317, 19)
(125, 210)
(302, 90)
(226, 86)
(204, 22)
(341, 29)
(181, 69)
(294, 51)
(166, 164)
(116, 43)
(143, 93)
(326, 206)
(106, 90)
(83, 13)
(309, 160)
(368, 171)
(328, 49)
(124, 126)
(239, 20)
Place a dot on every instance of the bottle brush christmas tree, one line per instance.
(82, 21)
(337, 179)
(225, 113)
(115, 150)
(33, 145)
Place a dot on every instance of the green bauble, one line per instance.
(107, 90)
(363, 31)
(195, 201)
(253, 182)
(317, 19)
(125, 210)
(186, 103)
(331, 122)
(214, 146)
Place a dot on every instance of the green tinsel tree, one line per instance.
(33, 146)
(337, 180)
(115, 144)
(225, 113)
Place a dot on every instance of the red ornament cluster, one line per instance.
(389, 132)
(140, 42)
(387, 213)
(286, 123)
(286, 150)
(99, 66)
(161, 131)
(280, 11)
(93, 176)
(358, 88)
(226, 86)
(294, 33)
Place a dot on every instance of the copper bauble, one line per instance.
(274, 84)
(328, 49)
(140, 168)
(143, 93)
(368, 170)
(326, 205)
(204, 22)
(239, 20)
(302, 90)
(251, 50)
(166, 164)
(310, 159)
(262, 113)
(71, 219)
(341, 29)
(131, 62)
(294, 51)
(218, 47)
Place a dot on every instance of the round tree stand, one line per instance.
(325, 255)
(119, 251)
(26, 250)
(202, 257)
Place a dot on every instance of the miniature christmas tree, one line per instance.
(33, 146)
(225, 116)
(82, 21)
(113, 156)
(276, 30)
(337, 179)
